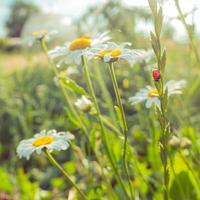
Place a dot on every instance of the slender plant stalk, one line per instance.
(125, 127)
(66, 95)
(189, 31)
(104, 136)
(105, 93)
(109, 125)
(71, 107)
(57, 165)
(163, 93)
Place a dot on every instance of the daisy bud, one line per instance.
(156, 74)
(185, 143)
(174, 142)
(84, 104)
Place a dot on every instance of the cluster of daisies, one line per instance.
(93, 47)
(99, 47)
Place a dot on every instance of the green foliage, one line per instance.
(5, 183)
(30, 101)
(72, 85)
(181, 190)
(27, 103)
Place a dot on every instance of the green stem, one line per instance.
(105, 93)
(104, 136)
(72, 109)
(188, 29)
(57, 165)
(66, 95)
(109, 125)
(164, 123)
(164, 142)
(125, 127)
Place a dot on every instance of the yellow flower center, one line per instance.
(109, 52)
(153, 93)
(42, 141)
(80, 43)
(37, 33)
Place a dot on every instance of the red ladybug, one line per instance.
(156, 74)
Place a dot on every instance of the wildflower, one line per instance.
(146, 55)
(151, 95)
(111, 52)
(174, 142)
(80, 43)
(52, 140)
(84, 104)
(78, 47)
(41, 34)
(185, 143)
(156, 74)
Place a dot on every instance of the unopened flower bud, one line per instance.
(156, 74)
(174, 142)
(84, 104)
(185, 143)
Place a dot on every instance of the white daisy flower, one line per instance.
(79, 47)
(151, 95)
(111, 52)
(84, 104)
(52, 140)
(145, 55)
(41, 34)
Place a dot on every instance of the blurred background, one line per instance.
(30, 102)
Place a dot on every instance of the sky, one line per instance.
(74, 8)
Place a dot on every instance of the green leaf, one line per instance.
(73, 120)
(57, 183)
(155, 44)
(70, 167)
(71, 84)
(153, 6)
(94, 135)
(119, 116)
(163, 61)
(182, 187)
(5, 183)
(160, 117)
(158, 22)
(165, 99)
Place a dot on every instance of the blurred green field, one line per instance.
(30, 101)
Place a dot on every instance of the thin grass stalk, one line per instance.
(73, 110)
(125, 127)
(64, 173)
(163, 94)
(105, 93)
(103, 131)
(188, 30)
